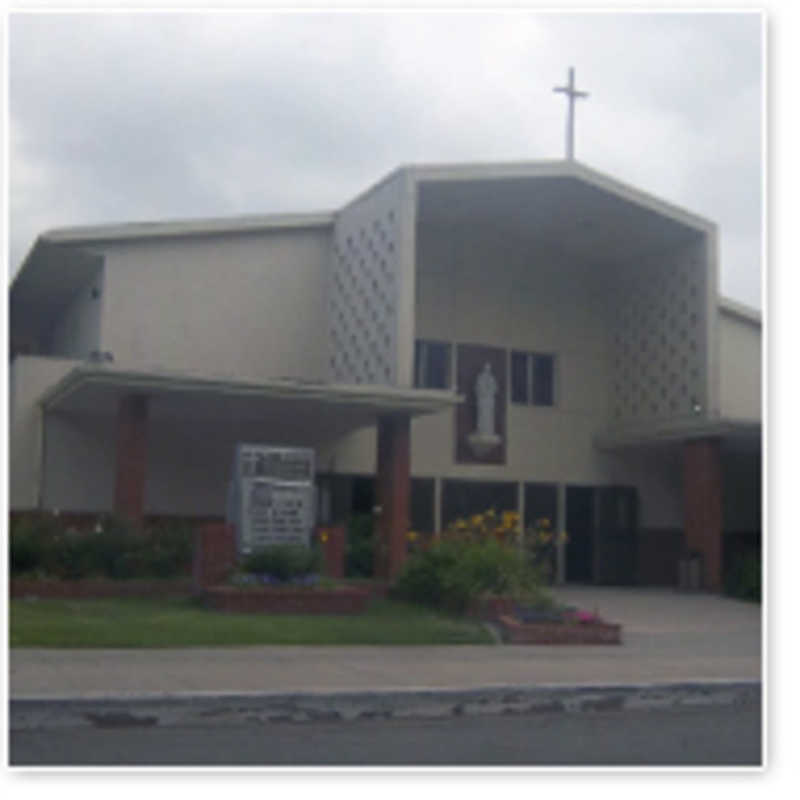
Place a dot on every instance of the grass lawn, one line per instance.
(180, 622)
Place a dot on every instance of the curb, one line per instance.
(216, 709)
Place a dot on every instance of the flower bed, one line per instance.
(287, 599)
(98, 587)
(546, 624)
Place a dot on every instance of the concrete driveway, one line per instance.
(667, 636)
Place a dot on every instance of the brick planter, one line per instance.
(516, 632)
(98, 587)
(287, 600)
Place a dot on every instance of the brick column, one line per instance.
(214, 554)
(393, 493)
(131, 457)
(702, 487)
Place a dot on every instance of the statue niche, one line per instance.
(484, 439)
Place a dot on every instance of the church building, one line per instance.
(530, 336)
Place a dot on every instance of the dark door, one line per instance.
(580, 530)
(615, 535)
(465, 498)
(541, 502)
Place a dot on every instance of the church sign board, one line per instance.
(272, 496)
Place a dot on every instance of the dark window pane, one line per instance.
(519, 377)
(419, 350)
(543, 380)
(431, 365)
(421, 506)
(540, 503)
(363, 497)
(438, 365)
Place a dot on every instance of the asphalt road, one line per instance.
(707, 736)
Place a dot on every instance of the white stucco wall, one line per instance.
(484, 290)
(250, 306)
(740, 366)
(190, 460)
(79, 461)
(657, 473)
(479, 288)
(355, 453)
(29, 378)
(77, 331)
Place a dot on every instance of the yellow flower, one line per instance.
(460, 524)
(545, 522)
(323, 537)
(412, 536)
(510, 518)
(477, 519)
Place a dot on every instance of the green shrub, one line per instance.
(72, 555)
(450, 574)
(167, 550)
(282, 561)
(116, 549)
(424, 578)
(29, 543)
(744, 579)
(360, 548)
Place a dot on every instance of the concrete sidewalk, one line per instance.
(668, 637)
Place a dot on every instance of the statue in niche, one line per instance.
(485, 391)
(484, 440)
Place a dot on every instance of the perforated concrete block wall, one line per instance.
(659, 332)
(364, 289)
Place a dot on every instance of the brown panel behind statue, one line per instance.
(470, 361)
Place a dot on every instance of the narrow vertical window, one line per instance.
(542, 380)
(532, 379)
(519, 377)
(431, 365)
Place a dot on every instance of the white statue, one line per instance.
(485, 390)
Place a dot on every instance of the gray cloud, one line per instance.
(132, 117)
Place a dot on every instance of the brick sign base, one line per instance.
(516, 632)
(286, 600)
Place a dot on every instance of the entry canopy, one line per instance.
(747, 432)
(300, 410)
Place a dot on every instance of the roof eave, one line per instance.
(189, 227)
(683, 430)
(388, 398)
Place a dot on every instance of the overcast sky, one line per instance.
(130, 117)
